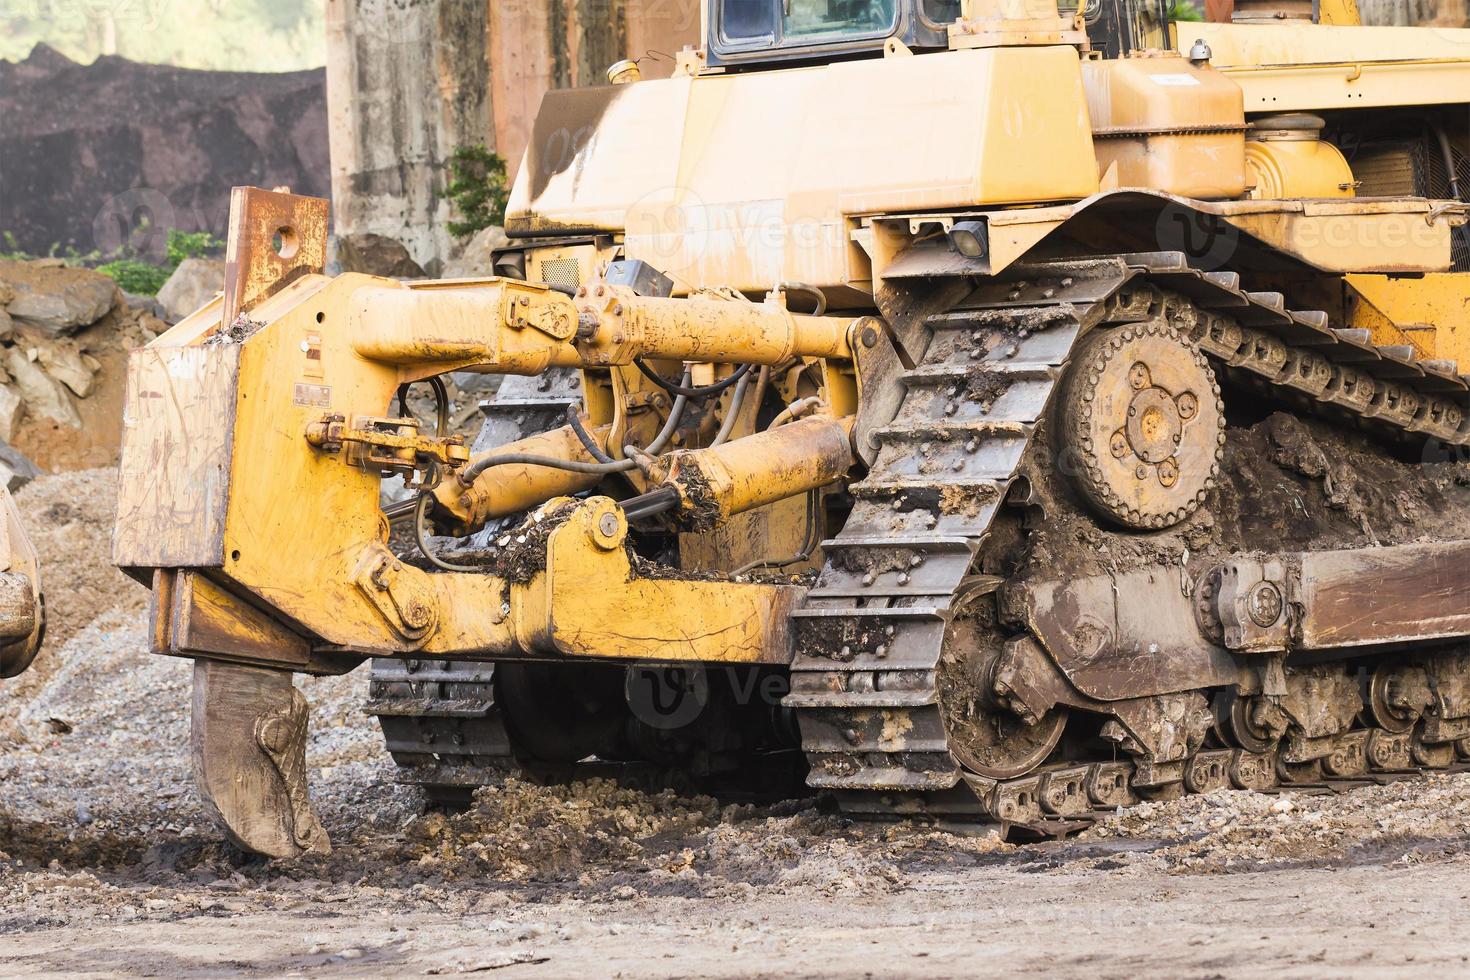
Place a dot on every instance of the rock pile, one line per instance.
(147, 139)
(58, 324)
(194, 283)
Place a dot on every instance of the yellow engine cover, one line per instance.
(749, 179)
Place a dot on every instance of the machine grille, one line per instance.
(562, 274)
(1414, 168)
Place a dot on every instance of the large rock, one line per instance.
(56, 298)
(192, 284)
(145, 304)
(43, 395)
(16, 469)
(59, 357)
(476, 259)
(10, 411)
(376, 255)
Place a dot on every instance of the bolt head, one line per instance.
(1265, 604)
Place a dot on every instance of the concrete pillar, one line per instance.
(407, 84)
(409, 81)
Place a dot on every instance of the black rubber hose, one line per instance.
(687, 392)
(479, 466)
(574, 417)
(441, 404)
(421, 508)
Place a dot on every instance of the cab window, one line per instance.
(776, 22)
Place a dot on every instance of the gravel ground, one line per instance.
(108, 867)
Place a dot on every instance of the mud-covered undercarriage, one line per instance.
(1125, 531)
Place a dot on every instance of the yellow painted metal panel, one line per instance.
(745, 180)
(589, 604)
(1291, 66)
(1431, 313)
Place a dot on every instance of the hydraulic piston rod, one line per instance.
(511, 327)
(709, 486)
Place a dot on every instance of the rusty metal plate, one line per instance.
(274, 239)
(1383, 595)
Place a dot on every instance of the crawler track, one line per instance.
(865, 682)
(440, 719)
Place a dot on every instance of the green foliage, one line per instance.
(129, 272)
(190, 245)
(12, 248)
(145, 278)
(477, 189)
(137, 277)
(234, 35)
(1184, 11)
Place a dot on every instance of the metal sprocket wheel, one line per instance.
(1143, 418)
(984, 737)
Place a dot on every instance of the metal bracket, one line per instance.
(1245, 605)
(409, 607)
(385, 445)
(274, 239)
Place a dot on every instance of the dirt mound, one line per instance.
(1413, 820)
(65, 334)
(147, 140)
(1286, 483)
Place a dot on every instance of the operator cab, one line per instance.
(757, 33)
(745, 32)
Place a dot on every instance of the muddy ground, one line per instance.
(108, 866)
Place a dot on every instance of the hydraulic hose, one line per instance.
(727, 425)
(684, 389)
(574, 417)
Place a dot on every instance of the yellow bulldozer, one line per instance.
(22, 610)
(971, 409)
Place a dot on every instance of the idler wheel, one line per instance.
(984, 735)
(1238, 720)
(1395, 700)
(1143, 418)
